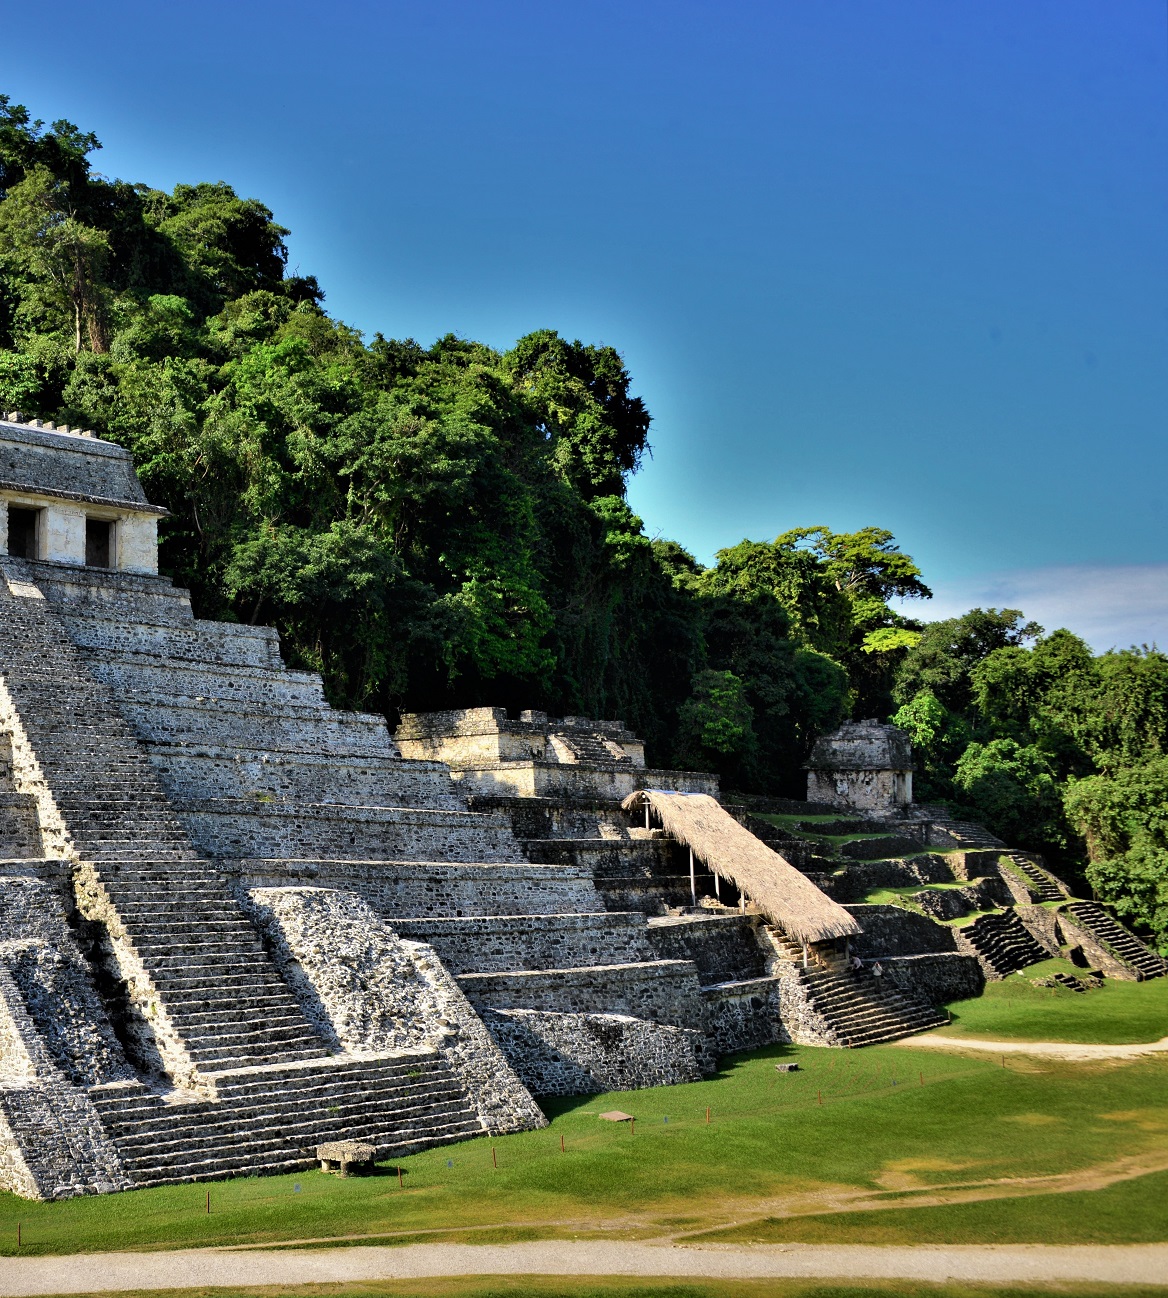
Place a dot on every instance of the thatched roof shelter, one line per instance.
(786, 896)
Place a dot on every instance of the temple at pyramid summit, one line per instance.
(238, 926)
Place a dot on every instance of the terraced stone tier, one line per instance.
(447, 889)
(665, 991)
(505, 943)
(238, 828)
(266, 1120)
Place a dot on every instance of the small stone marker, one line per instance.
(346, 1157)
(786, 1068)
(615, 1115)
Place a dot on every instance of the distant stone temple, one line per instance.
(241, 931)
(864, 765)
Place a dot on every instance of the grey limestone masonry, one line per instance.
(582, 1054)
(666, 991)
(936, 977)
(722, 947)
(52, 1142)
(744, 1015)
(502, 943)
(894, 931)
(413, 889)
(864, 766)
(537, 756)
(365, 990)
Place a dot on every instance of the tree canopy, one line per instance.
(447, 525)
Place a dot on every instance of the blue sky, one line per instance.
(896, 262)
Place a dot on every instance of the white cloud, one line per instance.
(1110, 606)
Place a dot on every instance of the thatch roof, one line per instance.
(786, 896)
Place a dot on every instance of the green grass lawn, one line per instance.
(770, 1149)
(1015, 1009)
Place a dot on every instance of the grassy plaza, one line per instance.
(885, 1145)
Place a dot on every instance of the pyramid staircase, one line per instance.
(1114, 937)
(860, 1008)
(1043, 886)
(263, 1088)
(1002, 943)
(271, 1119)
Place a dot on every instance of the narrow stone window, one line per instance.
(98, 543)
(22, 532)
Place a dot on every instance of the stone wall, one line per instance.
(583, 1054)
(412, 889)
(722, 947)
(52, 1143)
(743, 1015)
(496, 943)
(862, 876)
(235, 828)
(365, 990)
(894, 931)
(665, 991)
(936, 978)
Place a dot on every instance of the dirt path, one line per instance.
(189, 1268)
(1049, 1049)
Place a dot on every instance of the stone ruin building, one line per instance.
(238, 926)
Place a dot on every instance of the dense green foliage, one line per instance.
(426, 526)
(1052, 747)
(447, 526)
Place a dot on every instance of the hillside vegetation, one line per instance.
(447, 526)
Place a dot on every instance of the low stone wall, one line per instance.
(1042, 925)
(365, 990)
(649, 896)
(575, 780)
(665, 991)
(936, 978)
(498, 943)
(412, 889)
(608, 858)
(583, 1054)
(194, 775)
(953, 903)
(861, 877)
(743, 1015)
(879, 848)
(893, 931)
(723, 947)
(550, 818)
(233, 642)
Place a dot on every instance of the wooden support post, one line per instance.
(646, 813)
(717, 885)
(804, 955)
(693, 883)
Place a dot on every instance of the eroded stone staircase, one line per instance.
(270, 1120)
(1002, 943)
(138, 873)
(1043, 886)
(1114, 937)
